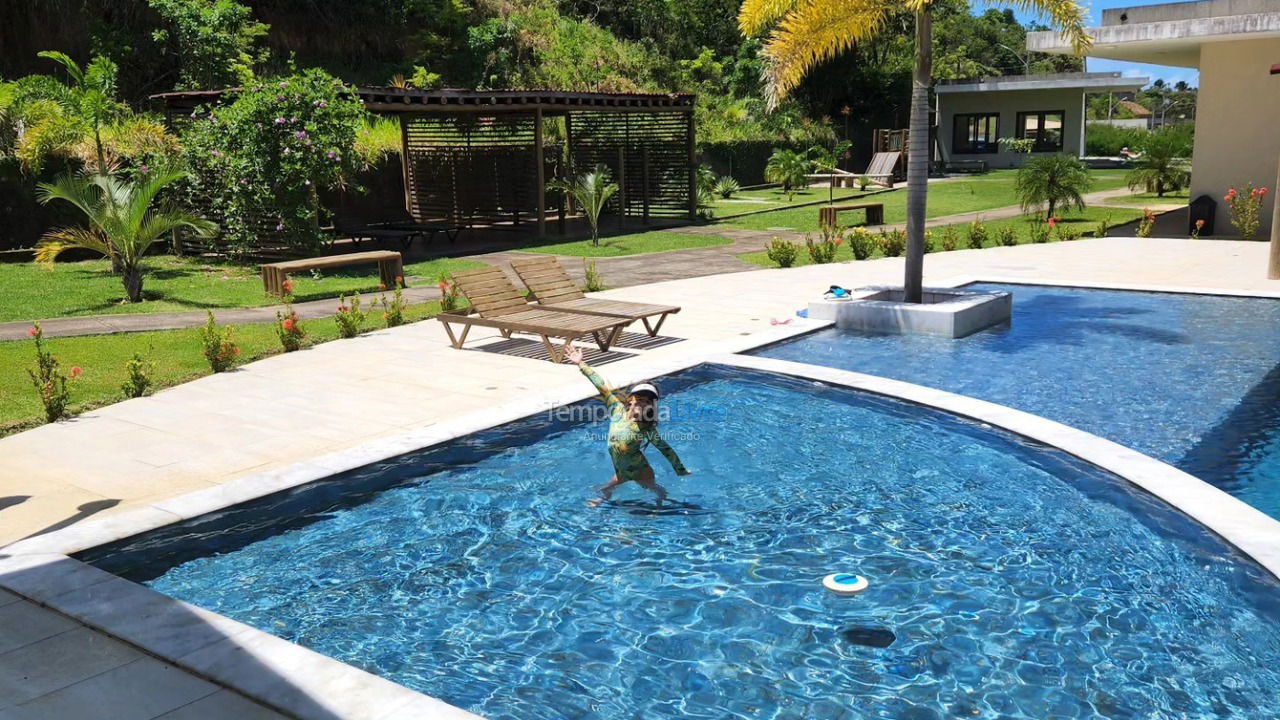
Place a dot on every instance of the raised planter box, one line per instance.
(946, 312)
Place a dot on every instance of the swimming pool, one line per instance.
(1193, 380)
(1011, 579)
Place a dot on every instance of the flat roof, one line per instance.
(493, 102)
(1099, 82)
(1172, 33)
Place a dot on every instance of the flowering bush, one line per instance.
(928, 241)
(977, 235)
(449, 293)
(862, 244)
(1008, 237)
(1146, 224)
(393, 311)
(1195, 231)
(824, 251)
(949, 240)
(218, 348)
(1066, 233)
(782, 252)
(137, 377)
(258, 163)
(49, 380)
(1245, 208)
(289, 329)
(350, 317)
(893, 242)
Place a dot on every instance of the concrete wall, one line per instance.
(1237, 123)
(1009, 104)
(1136, 123)
(1186, 11)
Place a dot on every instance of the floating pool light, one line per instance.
(845, 583)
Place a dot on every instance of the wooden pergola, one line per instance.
(484, 156)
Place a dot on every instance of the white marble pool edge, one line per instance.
(308, 685)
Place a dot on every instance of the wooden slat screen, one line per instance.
(469, 169)
(647, 153)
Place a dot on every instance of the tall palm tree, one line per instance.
(806, 33)
(124, 220)
(591, 191)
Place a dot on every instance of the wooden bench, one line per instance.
(390, 267)
(827, 215)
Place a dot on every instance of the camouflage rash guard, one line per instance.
(626, 438)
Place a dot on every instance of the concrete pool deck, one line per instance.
(295, 408)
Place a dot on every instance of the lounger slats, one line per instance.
(553, 287)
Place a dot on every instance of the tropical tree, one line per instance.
(1164, 164)
(806, 33)
(789, 169)
(1052, 180)
(124, 219)
(590, 191)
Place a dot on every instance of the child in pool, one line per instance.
(633, 423)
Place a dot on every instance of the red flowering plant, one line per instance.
(350, 317)
(393, 310)
(1147, 223)
(448, 294)
(1246, 208)
(49, 380)
(219, 350)
(1197, 228)
(289, 330)
(824, 250)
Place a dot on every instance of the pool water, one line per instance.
(1193, 380)
(1007, 579)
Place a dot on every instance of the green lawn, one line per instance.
(35, 292)
(635, 244)
(1170, 198)
(984, 192)
(175, 354)
(752, 200)
(1082, 222)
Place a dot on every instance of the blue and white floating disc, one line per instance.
(845, 583)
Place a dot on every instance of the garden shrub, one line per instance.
(1108, 140)
(289, 329)
(824, 251)
(783, 252)
(393, 310)
(1146, 224)
(1065, 232)
(726, 187)
(259, 163)
(137, 377)
(49, 380)
(591, 279)
(928, 242)
(893, 242)
(1104, 226)
(949, 240)
(349, 316)
(862, 243)
(977, 235)
(218, 348)
(1008, 237)
(1244, 208)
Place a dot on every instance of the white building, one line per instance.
(1233, 43)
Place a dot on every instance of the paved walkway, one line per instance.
(617, 272)
(291, 408)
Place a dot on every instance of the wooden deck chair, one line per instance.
(496, 303)
(881, 168)
(552, 287)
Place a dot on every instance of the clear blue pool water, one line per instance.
(1010, 580)
(1193, 380)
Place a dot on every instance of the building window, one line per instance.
(1044, 128)
(976, 133)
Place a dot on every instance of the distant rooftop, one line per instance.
(1095, 81)
(1172, 33)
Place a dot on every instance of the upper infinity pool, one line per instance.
(1193, 380)
(1012, 581)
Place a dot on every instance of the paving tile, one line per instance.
(222, 705)
(59, 661)
(141, 690)
(23, 623)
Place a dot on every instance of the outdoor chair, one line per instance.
(552, 287)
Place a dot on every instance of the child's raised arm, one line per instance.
(607, 393)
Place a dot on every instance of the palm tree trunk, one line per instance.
(132, 277)
(918, 155)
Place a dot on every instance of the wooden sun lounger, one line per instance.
(881, 167)
(552, 287)
(496, 303)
